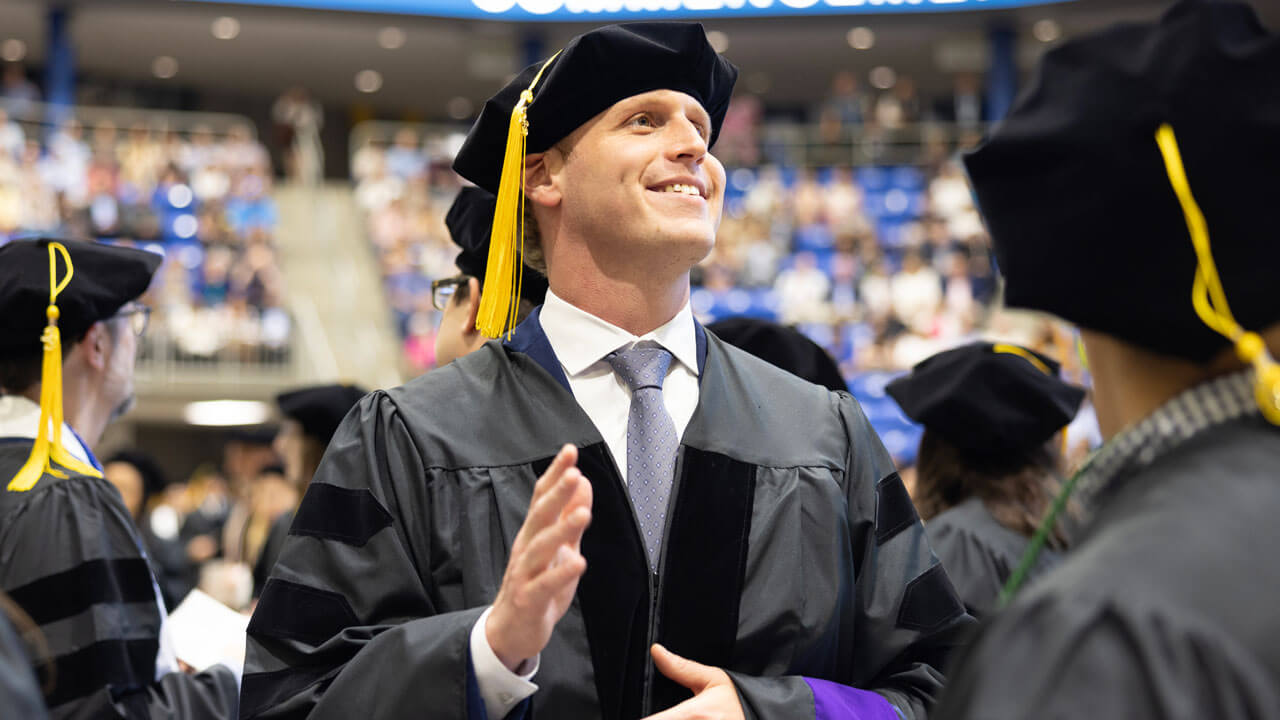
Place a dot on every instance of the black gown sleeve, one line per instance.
(73, 560)
(347, 626)
(1073, 657)
(973, 568)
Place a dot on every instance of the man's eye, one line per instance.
(642, 120)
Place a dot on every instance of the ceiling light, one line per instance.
(225, 28)
(164, 67)
(719, 41)
(883, 77)
(391, 38)
(226, 412)
(13, 50)
(460, 108)
(861, 38)
(368, 81)
(1046, 31)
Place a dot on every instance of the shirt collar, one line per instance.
(20, 417)
(1190, 413)
(581, 339)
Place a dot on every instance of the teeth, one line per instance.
(686, 189)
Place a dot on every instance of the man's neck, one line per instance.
(1131, 383)
(637, 305)
(79, 412)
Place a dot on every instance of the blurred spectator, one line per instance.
(739, 142)
(298, 120)
(964, 107)
(802, 291)
(898, 107)
(19, 94)
(917, 293)
(12, 138)
(843, 109)
(405, 159)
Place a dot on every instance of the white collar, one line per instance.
(20, 417)
(581, 339)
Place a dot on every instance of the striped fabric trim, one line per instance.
(1201, 408)
(121, 665)
(71, 592)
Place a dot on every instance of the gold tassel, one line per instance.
(500, 300)
(48, 445)
(1207, 294)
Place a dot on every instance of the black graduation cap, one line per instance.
(989, 399)
(320, 408)
(470, 221)
(105, 278)
(594, 71)
(1078, 199)
(783, 347)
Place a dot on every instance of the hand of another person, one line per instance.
(714, 696)
(545, 565)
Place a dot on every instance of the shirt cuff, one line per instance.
(500, 688)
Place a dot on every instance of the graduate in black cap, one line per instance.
(989, 460)
(470, 221)
(1131, 191)
(782, 346)
(73, 560)
(312, 414)
(517, 532)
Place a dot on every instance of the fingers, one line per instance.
(542, 548)
(565, 459)
(568, 567)
(687, 673)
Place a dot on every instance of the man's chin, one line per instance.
(124, 407)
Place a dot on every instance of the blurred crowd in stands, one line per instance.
(880, 264)
(211, 530)
(202, 199)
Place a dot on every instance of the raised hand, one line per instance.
(545, 565)
(714, 696)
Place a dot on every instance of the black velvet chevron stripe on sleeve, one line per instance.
(334, 513)
(894, 510)
(293, 611)
(73, 591)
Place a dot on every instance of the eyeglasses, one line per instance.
(442, 290)
(138, 315)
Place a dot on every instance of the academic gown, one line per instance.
(980, 554)
(1166, 606)
(71, 557)
(791, 550)
(19, 694)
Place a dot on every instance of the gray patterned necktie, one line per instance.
(651, 440)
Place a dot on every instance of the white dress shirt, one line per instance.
(581, 341)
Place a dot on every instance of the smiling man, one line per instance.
(612, 514)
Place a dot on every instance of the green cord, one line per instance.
(1037, 542)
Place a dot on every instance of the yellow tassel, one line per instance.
(1207, 294)
(500, 301)
(48, 445)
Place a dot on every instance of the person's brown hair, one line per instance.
(1017, 489)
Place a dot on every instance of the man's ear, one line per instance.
(97, 345)
(541, 177)
(473, 309)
